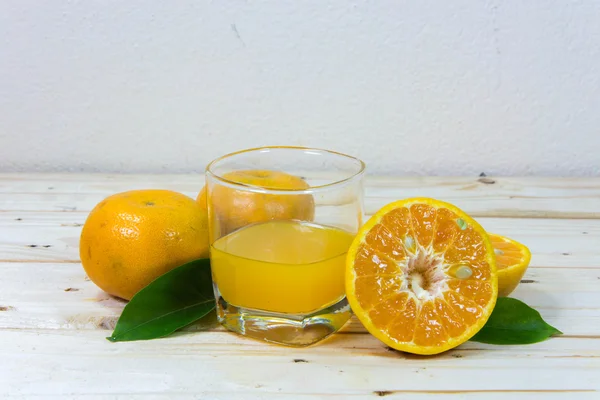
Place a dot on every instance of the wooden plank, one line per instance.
(225, 363)
(100, 183)
(506, 197)
(548, 239)
(496, 197)
(95, 182)
(55, 237)
(431, 394)
(60, 297)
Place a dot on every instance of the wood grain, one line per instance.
(64, 299)
(53, 321)
(54, 236)
(572, 198)
(223, 363)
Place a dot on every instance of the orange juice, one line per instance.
(281, 266)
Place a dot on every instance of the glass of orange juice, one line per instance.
(281, 222)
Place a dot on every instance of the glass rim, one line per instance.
(310, 190)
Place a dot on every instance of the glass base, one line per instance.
(286, 329)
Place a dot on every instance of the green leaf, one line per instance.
(514, 322)
(461, 224)
(170, 302)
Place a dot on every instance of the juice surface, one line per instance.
(281, 266)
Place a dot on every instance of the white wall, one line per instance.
(412, 87)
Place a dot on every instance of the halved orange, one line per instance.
(512, 260)
(421, 276)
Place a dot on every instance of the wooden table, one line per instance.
(53, 321)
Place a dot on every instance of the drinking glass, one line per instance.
(281, 220)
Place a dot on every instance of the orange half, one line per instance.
(421, 276)
(512, 260)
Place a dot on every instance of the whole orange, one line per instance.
(131, 238)
(234, 208)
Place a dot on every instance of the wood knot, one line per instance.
(382, 393)
(108, 323)
(487, 181)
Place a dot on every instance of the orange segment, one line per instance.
(452, 322)
(467, 309)
(382, 239)
(370, 262)
(401, 329)
(386, 310)
(423, 222)
(446, 230)
(397, 221)
(469, 246)
(421, 276)
(429, 330)
(481, 270)
(375, 288)
(512, 260)
(476, 290)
